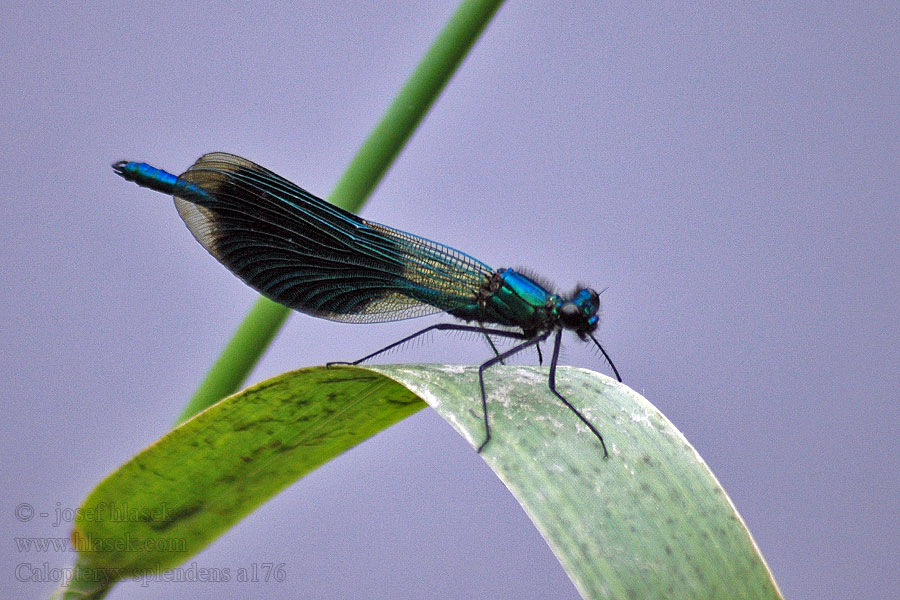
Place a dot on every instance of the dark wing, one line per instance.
(314, 257)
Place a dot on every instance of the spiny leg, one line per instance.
(486, 365)
(491, 343)
(436, 327)
(552, 385)
(497, 352)
(608, 359)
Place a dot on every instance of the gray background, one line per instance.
(729, 174)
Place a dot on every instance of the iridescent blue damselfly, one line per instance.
(318, 259)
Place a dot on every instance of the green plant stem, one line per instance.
(243, 351)
(366, 169)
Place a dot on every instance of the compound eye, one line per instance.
(570, 315)
(595, 298)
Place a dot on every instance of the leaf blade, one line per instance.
(650, 521)
(202, 477)
(625, 527)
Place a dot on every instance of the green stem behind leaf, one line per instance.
(366, 169)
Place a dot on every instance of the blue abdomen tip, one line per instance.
(156, 179)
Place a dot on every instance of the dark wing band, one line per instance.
(316, 258)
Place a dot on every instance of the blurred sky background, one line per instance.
(730, 174)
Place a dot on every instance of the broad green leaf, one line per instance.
(650, 521)
(206, 474)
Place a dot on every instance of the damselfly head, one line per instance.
(580, 313)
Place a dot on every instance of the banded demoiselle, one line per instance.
(318, 259)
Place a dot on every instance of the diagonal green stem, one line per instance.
(366, 169)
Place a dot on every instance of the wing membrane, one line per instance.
(316, 258)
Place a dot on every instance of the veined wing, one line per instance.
(314, 257)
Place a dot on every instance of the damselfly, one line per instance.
(318, 259)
